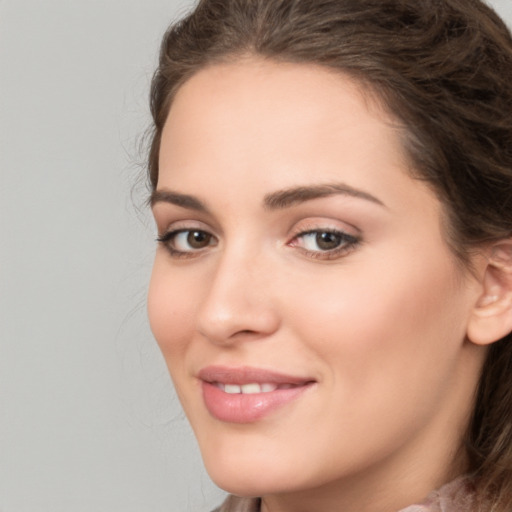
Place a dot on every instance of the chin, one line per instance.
(252, 484)
(249, 475)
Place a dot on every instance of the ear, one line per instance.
(491, 318)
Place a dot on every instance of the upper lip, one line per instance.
(248, 375)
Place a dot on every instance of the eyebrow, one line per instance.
(278, 200)
(296, 195)
(183, 200)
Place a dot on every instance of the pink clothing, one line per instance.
(457, 496)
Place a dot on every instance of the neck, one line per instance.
(397, 493)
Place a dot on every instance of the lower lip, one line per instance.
(246, 408)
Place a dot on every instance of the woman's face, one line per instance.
(307, 305)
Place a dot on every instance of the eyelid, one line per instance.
(165, 225)
(349, 242)
(167, 236)
(325, 224)
(348, 245)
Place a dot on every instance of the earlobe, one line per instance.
(491, 318)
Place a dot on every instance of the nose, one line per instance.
(238, 303)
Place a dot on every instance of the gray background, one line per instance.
(88, 418)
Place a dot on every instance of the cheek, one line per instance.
(388, 342)
(169, 311)
(396, 320)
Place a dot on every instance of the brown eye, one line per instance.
(326, 244)
(187, 241)
(327, 241)
(198, 239)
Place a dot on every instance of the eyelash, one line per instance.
(168, 239)
(347, 243)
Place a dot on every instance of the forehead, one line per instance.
(261, 114)
(255, 85)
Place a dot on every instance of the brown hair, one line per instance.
(444, 69)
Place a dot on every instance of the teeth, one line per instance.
(232, 389)
(247, 389)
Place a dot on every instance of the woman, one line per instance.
(332, 290)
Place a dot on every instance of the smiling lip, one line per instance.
(245, 394)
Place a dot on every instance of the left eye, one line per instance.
(324, 240)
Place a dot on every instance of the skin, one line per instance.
(379, 325)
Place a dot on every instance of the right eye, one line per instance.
(185, 242)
